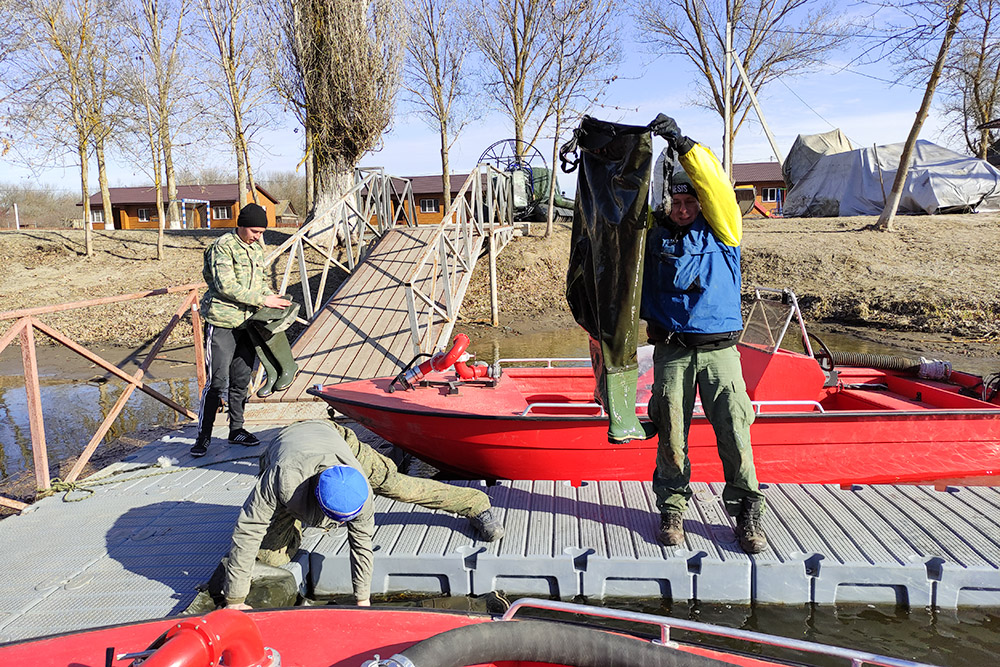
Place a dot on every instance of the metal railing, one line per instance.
(374, 204)
(482, 210)
(24, 328)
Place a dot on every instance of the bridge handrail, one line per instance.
(472, 215)
(349, 220)
(24, 328)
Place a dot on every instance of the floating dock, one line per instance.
(138, 547)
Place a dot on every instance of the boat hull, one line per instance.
(483, 432)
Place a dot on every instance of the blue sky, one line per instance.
(868, 110)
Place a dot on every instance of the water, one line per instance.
(76, 398)
(74, 407)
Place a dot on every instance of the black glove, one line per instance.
(666, 127)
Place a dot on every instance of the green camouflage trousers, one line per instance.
(284, 535)
(679, 373)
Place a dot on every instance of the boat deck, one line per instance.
(137, 548)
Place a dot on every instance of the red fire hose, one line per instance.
(225, 634)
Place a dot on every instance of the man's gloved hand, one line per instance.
(666, 127)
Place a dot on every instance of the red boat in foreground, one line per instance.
(354, 636)
(816, 422)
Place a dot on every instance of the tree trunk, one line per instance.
(330, 185)
(102, 180)
(445, 170)
(888, 216)
(552, 174)
(241, 175)
(87, 240)
(310, 183)
(252, 186)
(173, 206)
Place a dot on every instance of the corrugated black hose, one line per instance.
(886, 362)
(539, 641)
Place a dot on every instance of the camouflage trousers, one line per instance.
(284, 535)
(679, 374)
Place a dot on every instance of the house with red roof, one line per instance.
(202, 207)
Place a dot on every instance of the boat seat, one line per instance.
(780, 375)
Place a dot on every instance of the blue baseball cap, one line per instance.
(341, 492)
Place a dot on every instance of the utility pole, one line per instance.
(17, 220)
(760, 114)
(727, 84)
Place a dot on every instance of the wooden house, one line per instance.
(767, 181)
(202, 207)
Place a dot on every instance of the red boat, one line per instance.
(816, 422)
(354, 636)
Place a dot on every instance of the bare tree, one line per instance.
(345, 60)
(54, 105)
(970, 81)
(772, 39)
(11, 40)
(104, 95)
(435, 73)
(160, 86)
(284, 71)
(953, 15)
(233, 28)
(586, 39)
(514, 39)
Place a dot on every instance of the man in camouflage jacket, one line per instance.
(234, 271)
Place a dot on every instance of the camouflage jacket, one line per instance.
(234, 272)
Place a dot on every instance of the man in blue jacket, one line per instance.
(691, 303)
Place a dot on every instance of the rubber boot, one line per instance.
(624, 424)
(267, 362)
(285, 365)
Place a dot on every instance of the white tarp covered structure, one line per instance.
(857, 182)
(808, 149)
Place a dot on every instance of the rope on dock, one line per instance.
(86, 487)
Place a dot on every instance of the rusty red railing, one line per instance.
(24, 328)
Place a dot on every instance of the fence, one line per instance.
(24, 328)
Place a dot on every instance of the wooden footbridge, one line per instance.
(403, 297)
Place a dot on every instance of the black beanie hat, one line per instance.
(252, 215)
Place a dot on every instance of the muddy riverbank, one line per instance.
(930, 283)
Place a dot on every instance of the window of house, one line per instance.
(429, 206)
(770, 194)
(220, 213)
(97, 216)
(142, 214)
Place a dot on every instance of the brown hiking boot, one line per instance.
(671, 531)
(749, 531)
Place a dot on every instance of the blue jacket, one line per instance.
(691, 284)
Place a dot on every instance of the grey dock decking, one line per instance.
(137, 549)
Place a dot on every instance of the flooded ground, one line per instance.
(77, 396)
